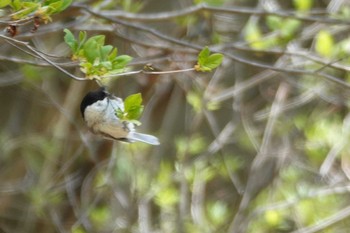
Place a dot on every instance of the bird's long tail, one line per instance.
(146, 138)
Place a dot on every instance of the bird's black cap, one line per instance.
(92, 97)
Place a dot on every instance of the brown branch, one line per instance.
(38, 54)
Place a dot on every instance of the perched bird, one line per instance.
(98, 109)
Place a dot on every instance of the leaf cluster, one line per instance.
(96, 59)
(133, 109)
(43, 9)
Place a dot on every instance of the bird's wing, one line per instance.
(112, 130)
(120, 132)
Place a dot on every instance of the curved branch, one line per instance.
(38, 54)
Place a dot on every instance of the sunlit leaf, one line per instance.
(207, 62)
(133, 106)
(195, 100)
(65, 4)
(167, 197)
(70, 40)
(100, 215)
(92, 47)
(121, 61)
(273, 217)
(253, 35)
(303, 5)
(218, 212)
(4, 3)
(324, 44)
(104, 51)
(16, 5)
(213, 61)
(290, 27)
(274, 22)
(25, 9)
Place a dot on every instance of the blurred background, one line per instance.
(258, 145)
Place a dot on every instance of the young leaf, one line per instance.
(203, 55)
(274, 22)
(303, 5)
(4, 3)
(133, 107)
(54, 7)
(214, 60)
(65, 4)
(104, 51)
(91, 50)
(290, 27)
(121, 61)
(113, 54)
(16, 5)
(324, 45)
(26, 9)
(207, 62)
(70, 40)
(82, 39)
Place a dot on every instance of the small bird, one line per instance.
(98, 109)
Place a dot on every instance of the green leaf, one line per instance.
(113, 54)
(324, 45)
(106, 64)
(273, 217)
(100, 215)
(253, 35)
(207, 62)
(92, 47)
(104, 51)
(194, 100)
(65, 4)
(16, 5)
(4, 3)
(25, 9)
(290, 27)
(82, 36)
(167, 197)
(82, 39)
(214, 60)
(54, 7)
(133, 107)
(274, 22)
(203, 55)
(121, 61)
(303, 5)
(70, 40)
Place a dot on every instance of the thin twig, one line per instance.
(40, 55)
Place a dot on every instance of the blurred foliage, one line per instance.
(41, 9)
(225, 134)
